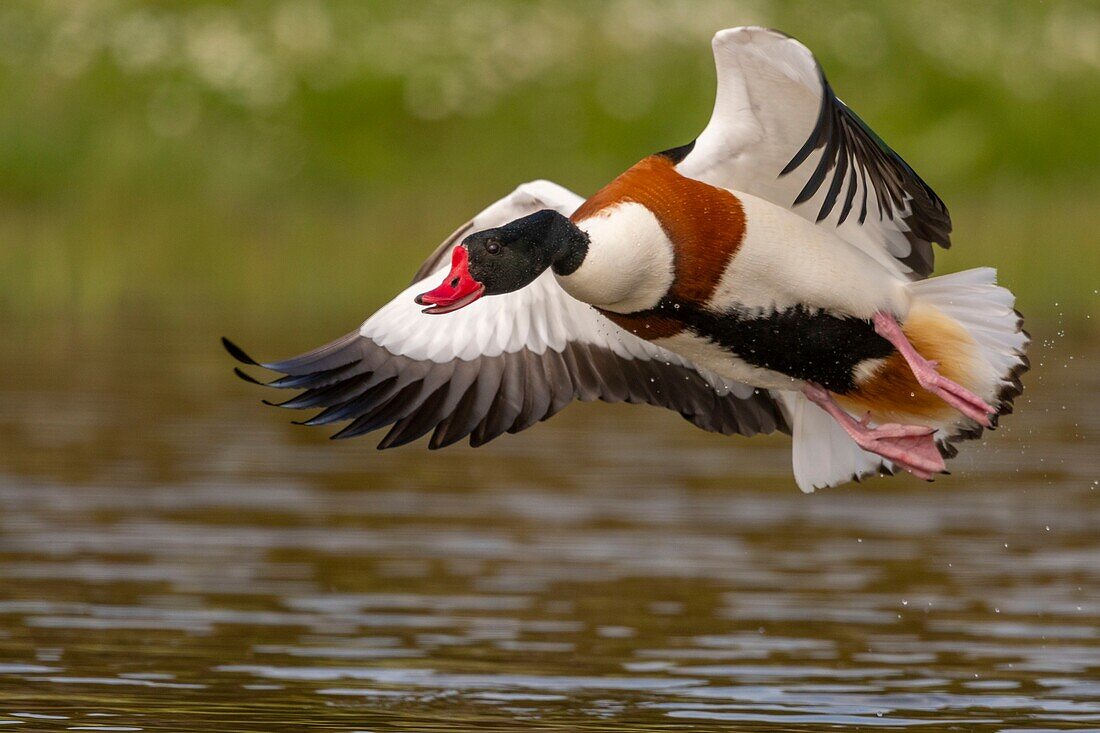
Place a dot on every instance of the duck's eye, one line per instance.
(492, 248)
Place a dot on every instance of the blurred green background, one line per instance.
(295, 160)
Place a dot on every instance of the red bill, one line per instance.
(457, 291)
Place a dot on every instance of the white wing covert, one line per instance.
(502, 363)
(779, 132)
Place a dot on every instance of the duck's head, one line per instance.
(507, 258)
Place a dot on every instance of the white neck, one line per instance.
(629, 264)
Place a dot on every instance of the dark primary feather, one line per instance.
(353, 380)
(850, 148)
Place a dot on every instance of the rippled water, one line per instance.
(173, 556)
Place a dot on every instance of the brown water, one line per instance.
(175, 557)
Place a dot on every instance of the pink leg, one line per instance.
(924, 370)
(910, 447)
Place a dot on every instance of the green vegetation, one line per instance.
(300, 157)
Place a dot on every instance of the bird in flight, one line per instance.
(773, 274)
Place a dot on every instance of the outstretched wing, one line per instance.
(779, 132)
(501, 364)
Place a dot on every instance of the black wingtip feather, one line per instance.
(848, 143)
(247, 377)
(354, 379)
(238, 353)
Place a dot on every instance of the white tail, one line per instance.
(987, 311)
(822, 453)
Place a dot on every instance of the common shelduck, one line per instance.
(770, 275)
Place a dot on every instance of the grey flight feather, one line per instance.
(356, 381)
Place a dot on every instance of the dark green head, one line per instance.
(507, 258)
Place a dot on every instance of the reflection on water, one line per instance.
(175, 557)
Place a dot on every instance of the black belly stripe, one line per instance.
(803, 343)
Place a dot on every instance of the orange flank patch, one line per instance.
(705, 224)
(891, 392)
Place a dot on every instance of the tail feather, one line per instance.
(988, 314)
(822, 453)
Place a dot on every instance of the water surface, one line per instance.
(176, 557)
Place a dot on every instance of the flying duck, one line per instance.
(771, 275)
